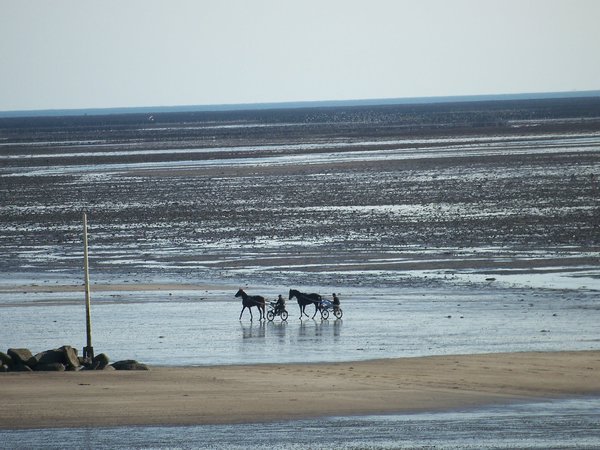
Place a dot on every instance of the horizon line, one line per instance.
(57, 112)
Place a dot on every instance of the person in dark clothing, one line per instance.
(336, 301)
(280, 305)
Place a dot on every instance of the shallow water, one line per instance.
(553, 424)
(565, 144)
(203, 327)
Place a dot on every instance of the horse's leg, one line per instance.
(304, 310)
(250, 309)
(243, 307)
(300, 306)
(316, 309)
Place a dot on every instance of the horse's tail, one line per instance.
(260, 302)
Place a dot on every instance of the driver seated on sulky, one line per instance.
(336, 301)
(280, 304)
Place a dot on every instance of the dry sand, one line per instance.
(235, 394)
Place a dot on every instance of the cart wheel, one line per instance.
(284, 315)
(324, 314)
(270, 316)
(338, 313)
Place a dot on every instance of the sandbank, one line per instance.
(272, 392)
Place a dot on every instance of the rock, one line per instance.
(70, 356)
(51, 367)
(5, 360)
(118, 364)
(102, 361)
(50, 357)
(20, 367)
(22, 355)
(129, 364)
(60, 359)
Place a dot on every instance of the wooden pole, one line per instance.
(88, 351)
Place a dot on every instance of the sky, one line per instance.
(65, 54)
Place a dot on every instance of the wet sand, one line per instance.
(105, 287)
(271, 392)
(319, 197)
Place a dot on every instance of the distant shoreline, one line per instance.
(274, 392)
(297, 104)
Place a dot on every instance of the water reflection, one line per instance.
(251, 330)
(278, 330)
(313, 332)
(337, 328)
(317, 330)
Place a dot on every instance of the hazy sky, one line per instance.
(109, 53)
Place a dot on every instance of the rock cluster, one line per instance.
(60, 359)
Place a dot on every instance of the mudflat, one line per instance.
(271, 392)
(365, 196)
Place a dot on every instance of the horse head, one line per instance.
(293, 293)
(240, 293)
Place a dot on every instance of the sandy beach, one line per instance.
(270, 392)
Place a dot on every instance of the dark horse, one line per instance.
(248, 301)
(306, 299)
